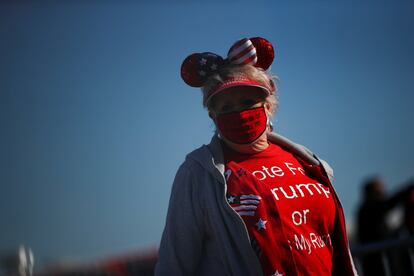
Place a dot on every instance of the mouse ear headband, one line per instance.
(198, 67)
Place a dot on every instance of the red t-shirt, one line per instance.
(288, 211)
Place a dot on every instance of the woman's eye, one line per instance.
(248, 102)
(225, 108)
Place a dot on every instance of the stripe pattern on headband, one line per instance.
(243, 52)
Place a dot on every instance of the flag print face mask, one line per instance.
(243, 127)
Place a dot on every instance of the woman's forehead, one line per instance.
(239, 92)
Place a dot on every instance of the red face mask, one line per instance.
(243, 127)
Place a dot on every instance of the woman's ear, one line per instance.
(212, 115)
(268, 108)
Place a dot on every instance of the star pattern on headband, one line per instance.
(208, 64)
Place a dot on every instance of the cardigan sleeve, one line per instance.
(181, 244)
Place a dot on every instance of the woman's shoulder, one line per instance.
(207, 154)
(199, 155)
(207, 159)
(195, 172)
(196, 161)
(301, 151)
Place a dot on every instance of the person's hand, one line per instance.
(410, 186)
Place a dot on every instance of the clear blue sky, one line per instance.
(95, 118)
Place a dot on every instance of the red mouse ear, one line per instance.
(265, 52)
(189, 69)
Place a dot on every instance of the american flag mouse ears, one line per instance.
(196, 68)
(256, 51)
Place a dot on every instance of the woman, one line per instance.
(251, 202)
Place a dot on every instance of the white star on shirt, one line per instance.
(202, 73)
(261, 224)
(213, 66)
(277, 273)
(203, 61)
(231, 199)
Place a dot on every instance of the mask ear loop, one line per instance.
(216, 131)
(269, 123)
(270, 126)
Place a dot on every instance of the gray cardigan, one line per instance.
(203, 235)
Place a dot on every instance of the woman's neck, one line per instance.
(257, 146)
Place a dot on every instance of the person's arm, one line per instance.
(181, 244)
(396, 199)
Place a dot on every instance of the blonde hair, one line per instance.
(245, 71)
